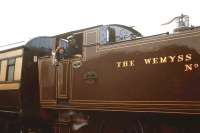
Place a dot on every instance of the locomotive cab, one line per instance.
(75, 43)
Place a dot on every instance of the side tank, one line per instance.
(153, 74)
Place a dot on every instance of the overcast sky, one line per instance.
(24, 19)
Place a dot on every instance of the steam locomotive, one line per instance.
(103, 79)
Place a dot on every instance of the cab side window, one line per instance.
(107, 35)
(10, 70)
(111, 35)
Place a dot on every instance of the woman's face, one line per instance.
(61, 51)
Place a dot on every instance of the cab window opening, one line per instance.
(69, 47)
(111, 35)
(10, 69)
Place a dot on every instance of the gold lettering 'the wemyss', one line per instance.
(119, 64)
(163, 59)
(180, 58)
(155, 61)
(188, 57)
(127, 63)
(147, 61)
(172, 58)
(132, 63)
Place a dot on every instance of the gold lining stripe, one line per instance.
(10, 54)
(138, 110)
(10, 86)
(134, 102)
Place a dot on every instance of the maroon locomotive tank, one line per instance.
(157, 74)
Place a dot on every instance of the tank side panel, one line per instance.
(160, 71)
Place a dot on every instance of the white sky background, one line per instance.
(24, 19)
